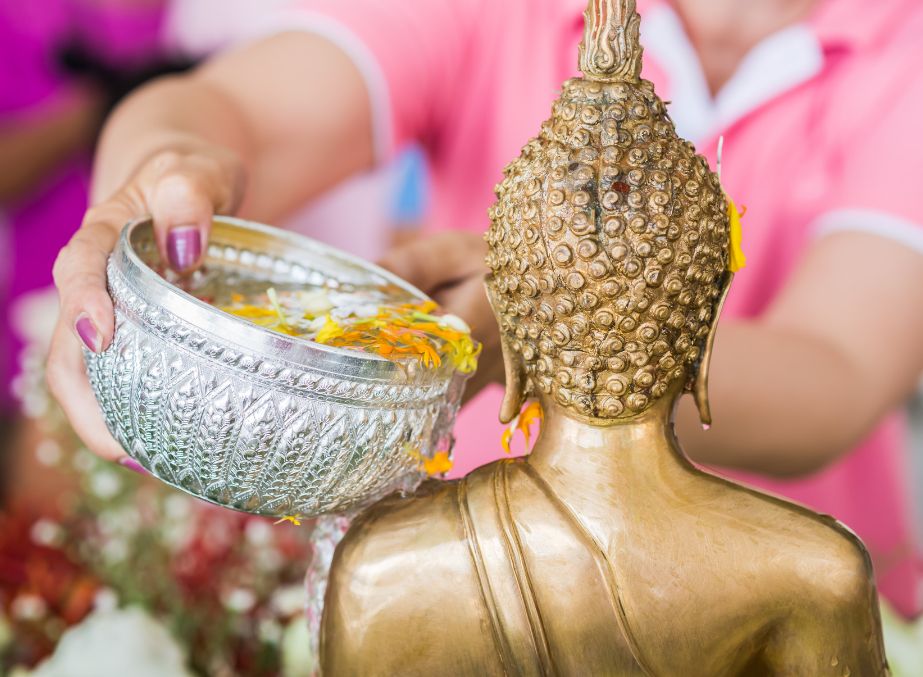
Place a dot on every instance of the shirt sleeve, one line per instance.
(877, 172)
(406, 50)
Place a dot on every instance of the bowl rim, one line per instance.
(300, 352)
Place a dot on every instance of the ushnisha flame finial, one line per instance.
(611, 50)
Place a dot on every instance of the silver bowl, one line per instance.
(248, 418)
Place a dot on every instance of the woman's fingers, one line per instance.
(80, 276)
(67, 381)
(86, 316)
(433, 262)
(181, 191)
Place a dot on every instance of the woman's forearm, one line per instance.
(804, 383)
(782, 404)
(179, 113)
(289, 153)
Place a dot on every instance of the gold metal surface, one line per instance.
(605, 552)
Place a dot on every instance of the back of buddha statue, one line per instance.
(611, 248)
(714, 578)
(508, 573)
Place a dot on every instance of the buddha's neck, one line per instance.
(595, 468)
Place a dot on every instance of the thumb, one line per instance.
(183, 193)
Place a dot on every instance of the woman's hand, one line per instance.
(181, 189)
(178, 150)
(450, 267)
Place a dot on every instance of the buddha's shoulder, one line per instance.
(405, 567)
(424, 518)
(439, 513)
(772, 529)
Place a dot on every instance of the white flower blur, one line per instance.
(297, 658)
(177, 506)
(48, 452)
(46, 532)
(105, 484)
(114, 551)
(258, 532)
(84, 460)
(105, 600)
(115, 644)
(239, 600)
(28, 607)
(455, 322)
(288, 601)
(270, 631)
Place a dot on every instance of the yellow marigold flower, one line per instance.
(736, 258)
(394, 332)
(329, 331)
(249, 312)
(428, 355)
(505, 440)
(465, 355)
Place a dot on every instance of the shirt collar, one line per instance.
(776, 65)
(855, 24)
(762, 75)
(837, 23)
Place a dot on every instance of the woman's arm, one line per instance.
(293, 109)
(840, 347)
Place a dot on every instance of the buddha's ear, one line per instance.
(515, 375)
(514, 369)
(700, 387)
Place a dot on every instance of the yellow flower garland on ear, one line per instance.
(736, 258)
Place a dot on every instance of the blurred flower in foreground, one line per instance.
(114, 644)
(112, 540)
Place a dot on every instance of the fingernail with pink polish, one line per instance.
(133, 465)
(184, 246)
(87, 333)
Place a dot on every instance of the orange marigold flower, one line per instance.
(531, 413)
(439, 464)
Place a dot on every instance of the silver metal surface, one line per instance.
(248, 418)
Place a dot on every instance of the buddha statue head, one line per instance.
(608, 245)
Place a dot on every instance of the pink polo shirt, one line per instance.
(816, 125)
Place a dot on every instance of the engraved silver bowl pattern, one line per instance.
(248, 418)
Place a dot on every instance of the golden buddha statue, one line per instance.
(605, 552)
